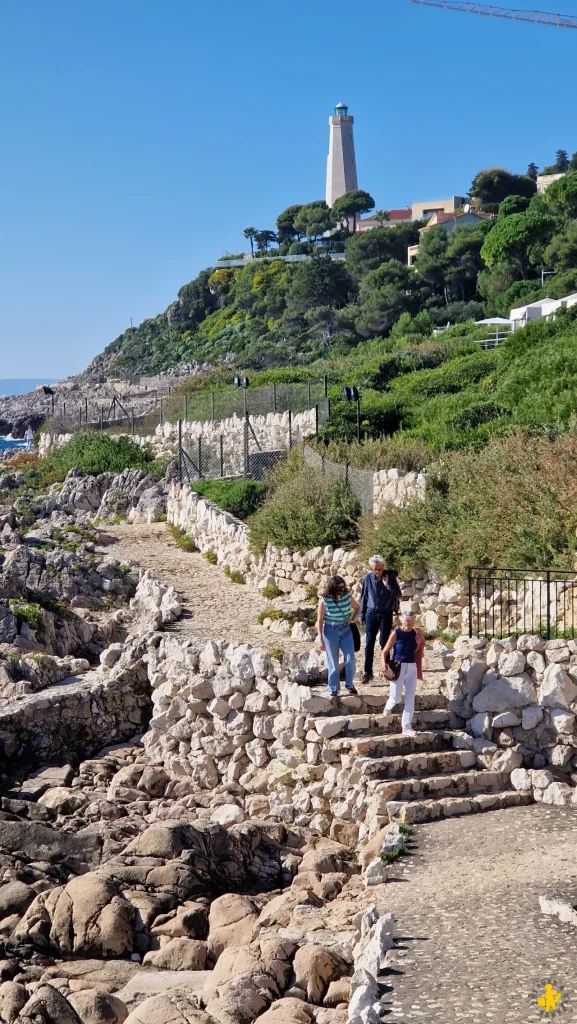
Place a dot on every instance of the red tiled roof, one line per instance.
(404, 214)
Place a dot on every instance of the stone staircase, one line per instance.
(435, 774)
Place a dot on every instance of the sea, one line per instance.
(19, 386)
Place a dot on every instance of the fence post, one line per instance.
(316, 419)
(309, 394)
(274, 398)
(548, 593)
(63, 411)
(212, 405)
(244, 400)
(86, 410)
(470, 602)
(290, 428)
(199, 456)
(80, 416)
(325, 386)
(101, 418)
(186, 407)
(180, 451)
(246, 425)
(132, 420)
(161, 412)
(221, 456)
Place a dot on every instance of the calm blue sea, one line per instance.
(22, 385)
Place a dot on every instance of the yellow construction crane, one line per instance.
(538, 17)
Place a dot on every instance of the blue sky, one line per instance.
(139, 137)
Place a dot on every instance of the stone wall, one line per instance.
(440, 606)
(396, 487)
(518, 697)
(80, 715)
(271, 432)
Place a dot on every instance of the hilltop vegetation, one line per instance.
(271, 313)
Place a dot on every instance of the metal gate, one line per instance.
(540, 602)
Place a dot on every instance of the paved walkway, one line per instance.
(475, 944)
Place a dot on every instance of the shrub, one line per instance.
(277, 653)
(182, 539)
(271, 591)
(93, 454)
(304, 511)
(512, 503)
(234, 575)
(211, 557)
(239, 497)
(28, 613)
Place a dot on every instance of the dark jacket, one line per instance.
(380, 596)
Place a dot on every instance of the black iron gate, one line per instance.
(536, 601)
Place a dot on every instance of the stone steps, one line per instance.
(417, 811)
(428, 762)
(434, 787)
(376, 725)
(391, 744)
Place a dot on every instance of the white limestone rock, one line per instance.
(521, 780)
(557, 689)
(506, 720)
(511, 663)
(505, 694)
(559, 794)
(531, 717)
(377, 873)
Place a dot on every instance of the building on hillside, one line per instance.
(544, 180)
(422, 211)
(539, 310)
(403, 216)
(447, 221)
(341, 164)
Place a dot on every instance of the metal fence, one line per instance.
(118, 414)
(243, 453)
(359, 481)
(514, 601)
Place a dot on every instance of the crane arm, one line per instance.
(538, 17)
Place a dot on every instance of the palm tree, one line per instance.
(381, 217)
(250, 233)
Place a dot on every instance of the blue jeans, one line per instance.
(339, 638)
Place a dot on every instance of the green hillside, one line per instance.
(270, 313)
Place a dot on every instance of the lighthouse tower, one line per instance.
(341, 165)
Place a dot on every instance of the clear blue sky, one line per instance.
(140, 137)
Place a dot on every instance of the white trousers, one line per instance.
(408, 680)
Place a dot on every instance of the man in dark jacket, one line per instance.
(380, 597)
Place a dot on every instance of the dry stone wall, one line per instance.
(518, 697)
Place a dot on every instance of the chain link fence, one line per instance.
(238, 454)
(359, 481)
(120, 416)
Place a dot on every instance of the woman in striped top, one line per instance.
(337, 609)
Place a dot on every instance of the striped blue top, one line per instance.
(338, 613)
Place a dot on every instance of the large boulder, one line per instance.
(178, 955)
(98, 1007)
(170, 1008)
(314, 969)
(47, 1006)
(504, 694)
(88, 916)
(232, 922)
(247, 979)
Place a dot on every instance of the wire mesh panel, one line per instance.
(540, 602)
(359, 481)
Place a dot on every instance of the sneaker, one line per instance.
(409, 732)
(353, 691)
(367, 676)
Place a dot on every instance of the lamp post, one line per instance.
(242, 382)
(353, 395)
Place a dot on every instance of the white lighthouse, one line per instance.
(341, 165)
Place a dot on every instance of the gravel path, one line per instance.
(475, 944)
(215, 608)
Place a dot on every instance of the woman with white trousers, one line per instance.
(406, 644)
